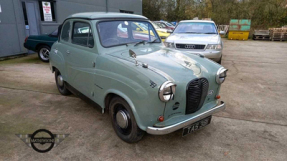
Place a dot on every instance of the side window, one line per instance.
(82, 34)
(65, 31)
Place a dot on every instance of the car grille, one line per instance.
(195, 94)
(190, 46)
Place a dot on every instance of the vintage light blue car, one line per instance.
(145, 86)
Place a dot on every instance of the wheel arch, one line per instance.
(113, 93)
(41, 44)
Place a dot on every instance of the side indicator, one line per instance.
(160, 118)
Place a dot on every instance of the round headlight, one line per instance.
(166, 91)
(221, 75)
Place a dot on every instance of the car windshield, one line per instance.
(155, 25)
(168, 24)
(196, 28)
(162, 25)
(114, 33)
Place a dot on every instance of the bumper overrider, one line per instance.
(182, 124)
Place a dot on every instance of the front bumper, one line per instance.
(214, 55)
(182, 124)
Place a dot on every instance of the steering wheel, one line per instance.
(111, 41)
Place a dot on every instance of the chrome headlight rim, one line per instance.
(161, 94)
(221, 79)
(169, 44)
(214, 47)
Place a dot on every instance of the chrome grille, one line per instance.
(190, 46)
(196, 93)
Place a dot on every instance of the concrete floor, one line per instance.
(253, 127)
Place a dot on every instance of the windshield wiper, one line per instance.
(210, 33)
(140, 42)
(153, 41)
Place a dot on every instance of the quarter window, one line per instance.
(66, 31)
(82, 34)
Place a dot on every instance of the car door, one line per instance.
(81, 57)
(62, 47)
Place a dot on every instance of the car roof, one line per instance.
(207, 21)
(105, 15)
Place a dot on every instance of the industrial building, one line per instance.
(21, 18)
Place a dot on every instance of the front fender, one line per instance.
(57, 60)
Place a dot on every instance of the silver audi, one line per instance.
(197, 36)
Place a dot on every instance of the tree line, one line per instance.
(264, 14)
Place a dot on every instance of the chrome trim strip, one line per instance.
(166, 76)
(182, 124)
(163, 74)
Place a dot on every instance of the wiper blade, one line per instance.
(140, 42)
(153, 41)
(210, 33)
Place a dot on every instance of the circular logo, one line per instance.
(189, 46)
(47, 139)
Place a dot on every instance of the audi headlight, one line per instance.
(166, 91)
(214, 46)
(221, 75)
(169, 44)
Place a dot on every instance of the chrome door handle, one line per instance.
(68, 52)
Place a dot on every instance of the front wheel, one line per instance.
(61, 84)
(124, 122)
(43, 53)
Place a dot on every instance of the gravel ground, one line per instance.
(253, 126)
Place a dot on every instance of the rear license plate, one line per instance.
(196, 126)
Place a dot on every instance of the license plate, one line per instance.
(196, 126)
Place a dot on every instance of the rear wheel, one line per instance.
(123, 121)
(43, 53)
(61, 84)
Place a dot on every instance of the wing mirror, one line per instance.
(222, 32)
(133, 55)
(138, 29)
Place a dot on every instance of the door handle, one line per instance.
(68, 52)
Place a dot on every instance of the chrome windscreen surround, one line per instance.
(219, 79)
(161, 94)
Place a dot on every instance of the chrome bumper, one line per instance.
(180, 125)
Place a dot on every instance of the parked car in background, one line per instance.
(197, 36)
(145, 86)
(41, 44)
(161, 24)
(168, 23)
(163, 33)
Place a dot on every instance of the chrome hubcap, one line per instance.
(60, 80)
(122, 119)
(44, 53)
